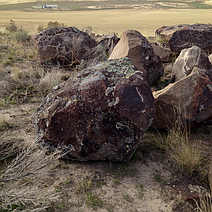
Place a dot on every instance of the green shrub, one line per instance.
(21, 36)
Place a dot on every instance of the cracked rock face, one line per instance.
(188, 100)
(188, 59)
(99, 114)
(135, 46)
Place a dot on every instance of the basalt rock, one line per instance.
(210, 58)
(187, 101)
(189, 189)
(135, 46)
(166, 32)
(162, 52)
(64, 45)
(109, 41)
(184, 36)
(188, 59)
(99, 114)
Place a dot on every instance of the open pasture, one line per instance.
(106, 21)
(107, 16)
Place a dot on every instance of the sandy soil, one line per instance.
(123, 187)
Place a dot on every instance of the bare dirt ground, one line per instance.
(138, 185)
(131, 186)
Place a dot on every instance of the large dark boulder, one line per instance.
(65, 45)
(135, 46)
(187, 101)
(184, 36)
(99, 114)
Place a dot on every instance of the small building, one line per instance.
(37, 7)
(50, 6)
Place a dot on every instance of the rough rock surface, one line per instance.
(100, 114)
(109, 41)
(210, 58)
(188, 59)
(135, 46)
(66, 45)
(188, 100)
(163, 53)
(166, 32)
(188, 189)
(186, 36)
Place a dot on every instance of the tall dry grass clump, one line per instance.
(19, 181)
(4, 121)
(187, 154)
(204, 204)
(49, 80)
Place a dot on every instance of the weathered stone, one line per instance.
(186, 36)
(210, 58)
(188, 189)
(109, 41)
(188, 59)
(188, 100)
(100, 114)
(135, 46)
(66, 45)
(166, 32)
(163, 53)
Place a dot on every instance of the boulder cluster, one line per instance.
(103, 111)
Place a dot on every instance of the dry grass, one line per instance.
(26, 79)
(20, 84)
(49, 80)
(204, 204)
(102, 22)
(18, 181)
(4, 121)
(188, 154)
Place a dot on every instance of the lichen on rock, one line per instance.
(99, 114)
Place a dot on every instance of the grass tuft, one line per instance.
(188, 154)
(93, 201)
(204, 204)
(4, 123)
